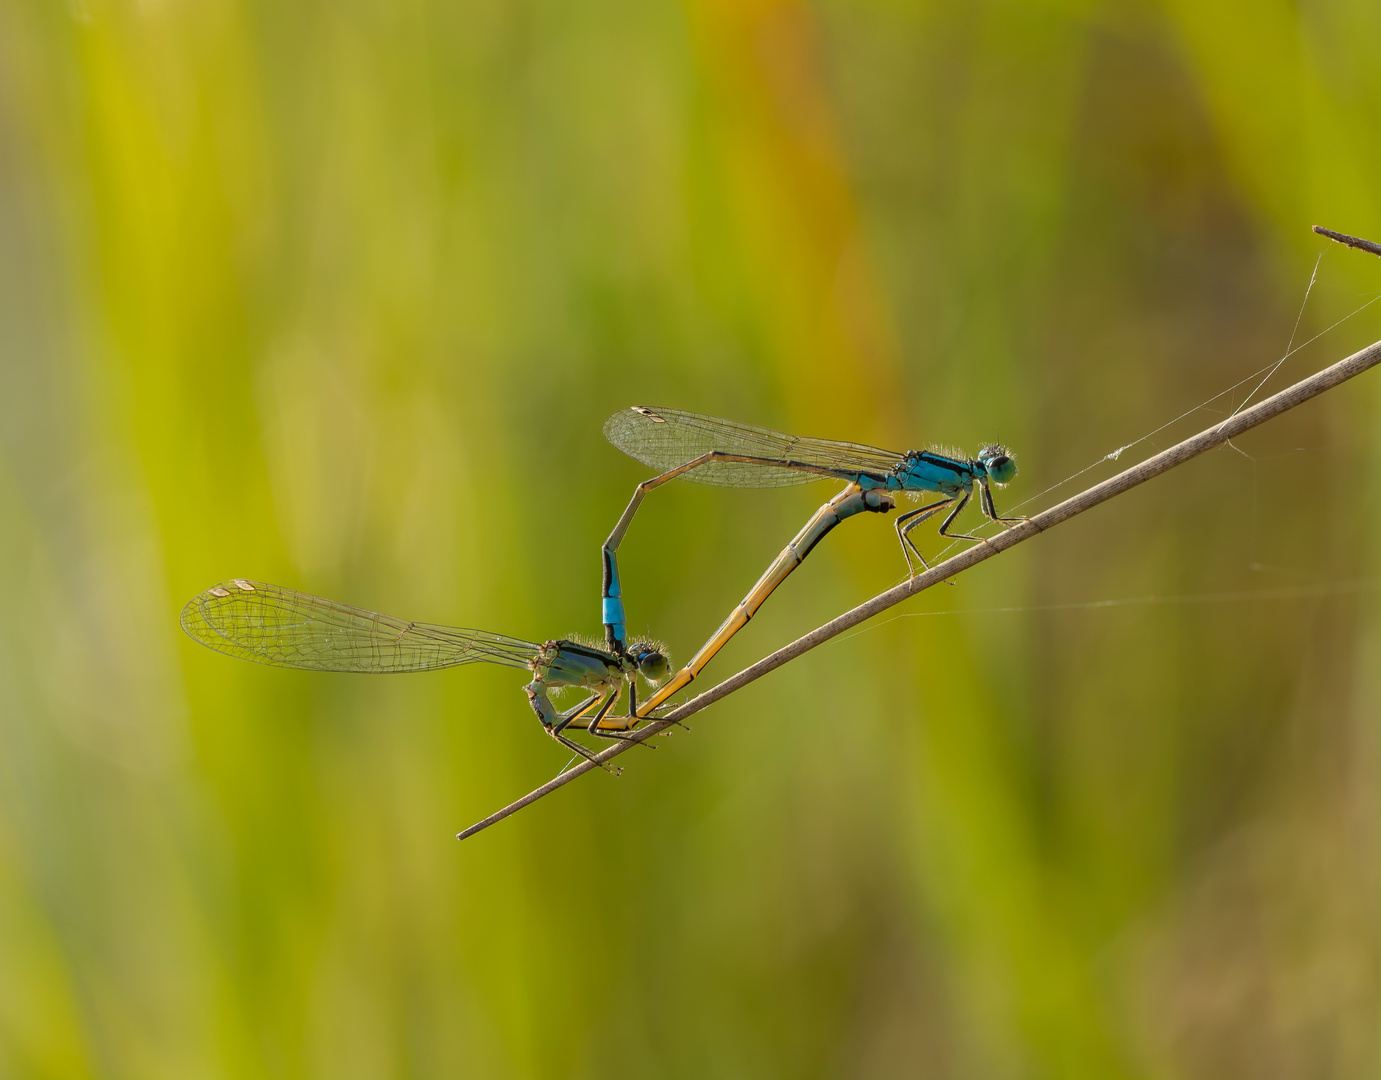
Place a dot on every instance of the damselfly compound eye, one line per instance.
(652, 665)
(1001, 469)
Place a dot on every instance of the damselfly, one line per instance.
(272, 625)
(725, 453)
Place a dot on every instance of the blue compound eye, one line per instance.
(1001, 469)
(652, 665)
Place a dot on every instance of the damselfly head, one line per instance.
(652, 661)
(998, 464)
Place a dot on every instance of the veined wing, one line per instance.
(665, 438)
(272, 625)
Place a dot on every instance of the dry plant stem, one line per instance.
(1124, 481)
(1351, 241)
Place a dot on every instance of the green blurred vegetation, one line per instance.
(339, 295)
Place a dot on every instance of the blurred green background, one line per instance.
(339, 295)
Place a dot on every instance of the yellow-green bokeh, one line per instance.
(339, 295)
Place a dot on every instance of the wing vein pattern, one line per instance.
(272, 625)
(666, 438)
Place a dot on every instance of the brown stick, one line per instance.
(1178, 454)
(1351, 241)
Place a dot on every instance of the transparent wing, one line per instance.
(665, 438)
(273, 625)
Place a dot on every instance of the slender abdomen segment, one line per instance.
(852, 500)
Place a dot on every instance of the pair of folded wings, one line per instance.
(665, 438)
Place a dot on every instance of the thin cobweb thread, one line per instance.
(1288, 348)
(1287, 592)
(1269, 368)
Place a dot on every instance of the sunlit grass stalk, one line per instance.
(1124, 481)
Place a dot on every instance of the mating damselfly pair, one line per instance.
(273, 625)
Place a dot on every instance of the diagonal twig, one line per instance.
(1351, 241)
(1153, 466)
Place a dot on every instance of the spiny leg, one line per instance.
(634, 719)
(990, 511)
(608, 733)
(985, 502)
(909, 521)
(563, 719)
(667, 732)
(588, 755)
(963, 502)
